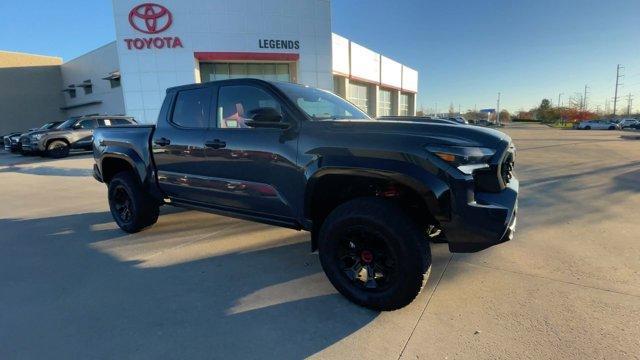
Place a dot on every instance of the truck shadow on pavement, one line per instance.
(74, 286)
(47, 171)
(10, 159)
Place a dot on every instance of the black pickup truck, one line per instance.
(369, 191)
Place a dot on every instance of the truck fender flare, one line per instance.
(129, 156)
(433, 190)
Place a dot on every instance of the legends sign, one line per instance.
(279, 44)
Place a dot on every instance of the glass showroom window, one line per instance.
(404, 104)
(264, 71)
(359, 96)
(384, 103)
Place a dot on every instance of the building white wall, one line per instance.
(360, 63)
(93, 66)
(390, 73)
(341, 51)
(365, 63)
(409, 79)
(219, 26)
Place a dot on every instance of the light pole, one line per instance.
(498, 111)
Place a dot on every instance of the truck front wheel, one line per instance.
(374, 254)
(131, 206)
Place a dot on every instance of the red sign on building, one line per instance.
(150, 18)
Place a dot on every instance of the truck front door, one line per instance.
(252, 170)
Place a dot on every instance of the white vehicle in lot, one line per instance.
(597, 125)
(626, 123)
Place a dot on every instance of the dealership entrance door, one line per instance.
(237, 70)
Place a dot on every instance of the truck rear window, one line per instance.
(192, 108)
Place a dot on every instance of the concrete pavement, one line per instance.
(202, 286)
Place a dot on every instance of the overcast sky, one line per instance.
(466, 51)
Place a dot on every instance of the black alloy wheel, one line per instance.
(122, 203)
(131, 206)
(374, 254)
(366, 260)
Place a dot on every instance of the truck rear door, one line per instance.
(178, 144)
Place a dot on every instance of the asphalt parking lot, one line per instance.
(197, 285)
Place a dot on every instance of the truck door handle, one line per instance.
(216, 144)
(162, 142)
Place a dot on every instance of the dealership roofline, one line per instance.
(30, 54)
(90, 51)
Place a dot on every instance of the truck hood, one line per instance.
(433, 133)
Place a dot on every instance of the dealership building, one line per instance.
(175, 42)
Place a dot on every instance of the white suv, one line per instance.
(625, 123)
(597, 125)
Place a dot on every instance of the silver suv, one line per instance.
(597, 125)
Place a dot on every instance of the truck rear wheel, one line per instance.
(57, 149)
(131, 206)
(374, 254)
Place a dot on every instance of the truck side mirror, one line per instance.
(266, 117)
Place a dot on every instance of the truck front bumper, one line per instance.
(481, 220)
(96, 173)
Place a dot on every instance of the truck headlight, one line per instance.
(466, 158)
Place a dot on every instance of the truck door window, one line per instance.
(192, 108)
(235, 102)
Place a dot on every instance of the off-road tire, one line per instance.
(143, 209)
(407, 247)
(57, 149)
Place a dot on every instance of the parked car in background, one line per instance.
(24, 138)
(75, 133)
(11, 141)
(367, 190)
(485, 122)
(597, 125)
(635, 126)
(626, 123)
(459, 119)
(428, 119)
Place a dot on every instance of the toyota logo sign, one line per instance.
(150, 18)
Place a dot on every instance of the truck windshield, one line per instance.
(320, 104)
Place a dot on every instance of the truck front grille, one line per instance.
(506, 170)
(499, 174)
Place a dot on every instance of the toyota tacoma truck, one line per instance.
(370, 192)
